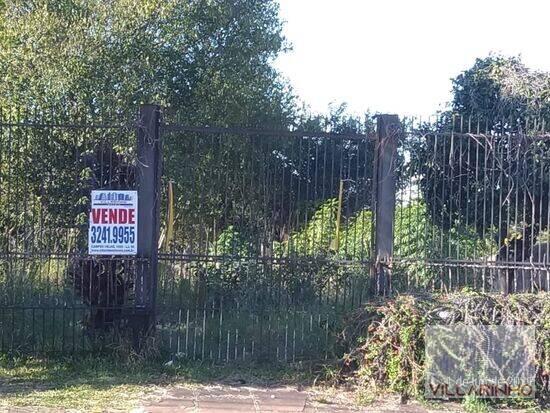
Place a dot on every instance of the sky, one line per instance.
(398, 56)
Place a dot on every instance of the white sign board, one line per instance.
(113, 223)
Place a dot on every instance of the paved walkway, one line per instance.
(243, 399)
(226, 399)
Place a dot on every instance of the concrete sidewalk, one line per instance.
(226, 399)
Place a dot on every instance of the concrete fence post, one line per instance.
(385, 157)
(149, 170)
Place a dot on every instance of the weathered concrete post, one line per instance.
(149, 164)
(385, 157)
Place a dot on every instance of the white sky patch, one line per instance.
(397, 56)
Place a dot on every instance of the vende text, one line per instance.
(113, 216)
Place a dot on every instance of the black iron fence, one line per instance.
(473, 207)
(257, 243)
(53, 296)
(270, 243)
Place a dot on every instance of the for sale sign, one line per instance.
(113, 223)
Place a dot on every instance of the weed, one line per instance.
(473, 404)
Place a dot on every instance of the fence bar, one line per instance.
(388, 128)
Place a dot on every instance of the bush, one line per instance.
(386, 341)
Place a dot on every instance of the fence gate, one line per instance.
(267, 241)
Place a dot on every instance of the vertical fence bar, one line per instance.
(385, 161)
(149, 158)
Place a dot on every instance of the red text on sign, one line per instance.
(113, 216)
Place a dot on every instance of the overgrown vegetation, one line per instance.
(417, 240)
(386, 339)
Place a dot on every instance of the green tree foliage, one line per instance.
(498, 88)
(208, 59)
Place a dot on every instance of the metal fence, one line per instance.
(53, 296)
(473, 205)
(271, 242)
(256, 244)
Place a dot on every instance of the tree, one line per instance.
(499, 88)
(210, 60)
